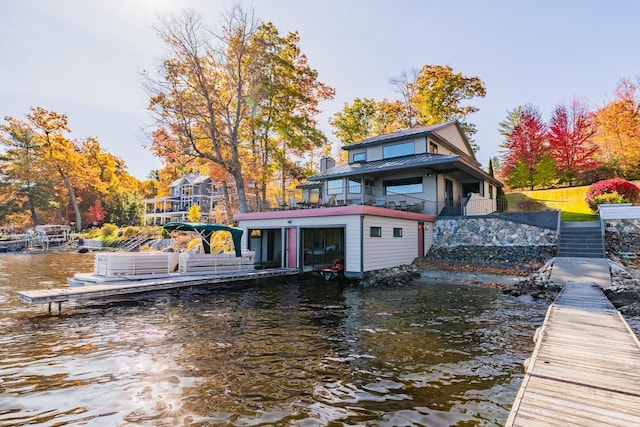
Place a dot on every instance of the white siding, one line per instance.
(430, 191)
(351, 224)
(421, 145)
(624, 211)
(388, 251)
(374, 153)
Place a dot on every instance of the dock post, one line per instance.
(49, 307)
(59, 307)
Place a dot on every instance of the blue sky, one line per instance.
(84, 57)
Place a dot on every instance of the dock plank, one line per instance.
(585, 368)
(125, 287)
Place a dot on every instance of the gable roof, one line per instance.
(193, 178)
(395, 163)
(409, 133)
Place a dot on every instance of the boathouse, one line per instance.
(377, 210)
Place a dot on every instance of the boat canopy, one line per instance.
(206, 230)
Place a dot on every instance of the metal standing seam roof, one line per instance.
(397, 163)
(401, 134)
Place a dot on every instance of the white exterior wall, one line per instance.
(430, 188)
(351, 224)
(388, 251)
(374, 153)
(421, 145)
(622, 211)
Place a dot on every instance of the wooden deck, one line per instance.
(125, 287)
(585, 368)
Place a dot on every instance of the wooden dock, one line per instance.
(585, 368)
(125, 287)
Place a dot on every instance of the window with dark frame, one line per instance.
(334, 186)
(375, 232)
(433, 148)
(360, 157)
(403, 186)
(398, 150)
(397, 232)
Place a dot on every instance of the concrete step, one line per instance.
(581, 240)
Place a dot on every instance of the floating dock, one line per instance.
(585, 368)
(133, 286)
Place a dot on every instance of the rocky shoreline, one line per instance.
(517, 271)
(514, 278)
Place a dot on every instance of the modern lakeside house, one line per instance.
(378, 209)
(185, 192)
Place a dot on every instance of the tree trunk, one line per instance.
(72, 199)
(32, 209)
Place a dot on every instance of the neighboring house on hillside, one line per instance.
(185, 192)
(375, 211)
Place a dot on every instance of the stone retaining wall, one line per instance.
(622, 238)
(480, 231)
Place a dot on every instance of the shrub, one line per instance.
(108, 229)
(609, 199)
(629, 192)
(529, 205)
(130, 231)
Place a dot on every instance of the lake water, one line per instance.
(288, 352)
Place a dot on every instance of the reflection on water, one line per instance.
(285, 352)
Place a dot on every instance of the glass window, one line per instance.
(403, 186)
(491, 191)
(360, 157)
(397, 150)
(375, 232)
(433, 148)
(369, 187)
(397, 232)
(355, 186)
(334, 186)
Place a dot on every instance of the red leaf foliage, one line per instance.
(628, 190)
(528, 141)
(97, 213)
(570, 133)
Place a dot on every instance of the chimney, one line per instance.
(326, 163)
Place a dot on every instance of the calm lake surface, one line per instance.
(288, 352)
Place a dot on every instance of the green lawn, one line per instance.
(570, 202)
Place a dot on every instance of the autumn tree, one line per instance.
(60, 153)
(213, 97)
(96, 214)
(356, 121)
(283, 105)
(24, 185)
(571, 131)
(527, 160)
(194, 214)
(618, 134)
(434, 94)
(48, 172)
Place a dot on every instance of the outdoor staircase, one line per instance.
(581, 239)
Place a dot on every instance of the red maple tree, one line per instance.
(570, 138)
(526, 147)
(96, 214)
